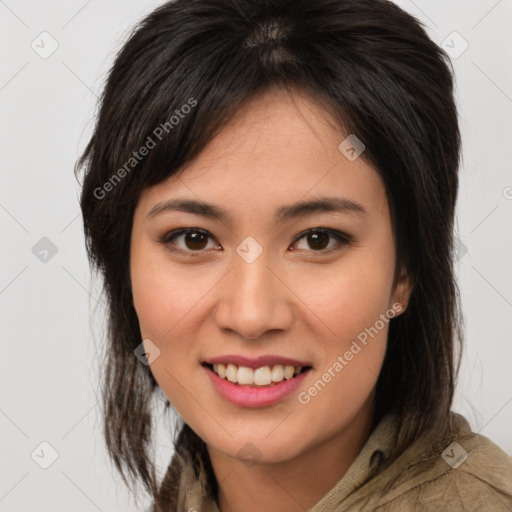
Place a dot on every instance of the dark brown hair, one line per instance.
(374, 69)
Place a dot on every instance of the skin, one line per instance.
(295, 300)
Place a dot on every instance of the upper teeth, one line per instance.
(262, 376)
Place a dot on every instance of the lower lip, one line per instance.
(247, 396)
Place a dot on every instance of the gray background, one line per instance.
(48, 364)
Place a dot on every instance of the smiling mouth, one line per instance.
(265, 376)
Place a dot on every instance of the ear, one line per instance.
(403, 290)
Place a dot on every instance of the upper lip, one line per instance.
(257, 362)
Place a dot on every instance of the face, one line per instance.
(261, 286)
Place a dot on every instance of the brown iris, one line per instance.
(318, 240)
(196, 240)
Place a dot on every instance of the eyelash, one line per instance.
(343, 239)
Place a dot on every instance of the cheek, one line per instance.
(164, 300)
(353, 307)
(164, 295)
(352, 302)
(169, 302)
(349, 296)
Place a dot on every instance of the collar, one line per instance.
(373, 453)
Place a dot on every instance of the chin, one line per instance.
(253, 449)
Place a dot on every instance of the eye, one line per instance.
(194, 239)
(318, 239)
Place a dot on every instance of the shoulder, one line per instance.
(481, 462)
(462, 491)
(472, 474)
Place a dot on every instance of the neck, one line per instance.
(292, 485)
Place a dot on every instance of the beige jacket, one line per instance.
(472, 475)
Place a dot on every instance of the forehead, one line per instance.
(278, 148)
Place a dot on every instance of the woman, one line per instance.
(269, 195)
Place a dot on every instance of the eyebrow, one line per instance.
(301, 209)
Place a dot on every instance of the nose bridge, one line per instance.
(253, 300)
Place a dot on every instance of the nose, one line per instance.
(253, 299)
